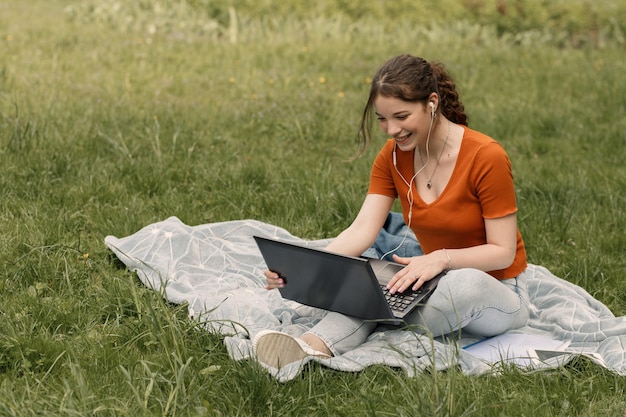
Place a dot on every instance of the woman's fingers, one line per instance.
(273, 280)
(404, 280)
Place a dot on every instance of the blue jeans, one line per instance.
(467, 299)
(394, 237)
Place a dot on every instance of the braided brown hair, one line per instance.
(413, 79)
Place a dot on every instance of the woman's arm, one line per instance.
(359, 236)
(497, 253)
(363, 231)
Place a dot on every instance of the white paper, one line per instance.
(512, 348)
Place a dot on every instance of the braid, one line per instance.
(450, 105)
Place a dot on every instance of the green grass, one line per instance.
(207, 113)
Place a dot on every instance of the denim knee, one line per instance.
(473, 299)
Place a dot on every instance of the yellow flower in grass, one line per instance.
(598, 65)
(322, 80)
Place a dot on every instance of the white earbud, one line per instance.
(432, 109)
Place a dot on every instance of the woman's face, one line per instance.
(407, 122)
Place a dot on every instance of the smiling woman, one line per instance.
(482, 254)
(107, 125)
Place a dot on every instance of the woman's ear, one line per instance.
(433, 103)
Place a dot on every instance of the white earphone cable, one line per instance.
(409, 194)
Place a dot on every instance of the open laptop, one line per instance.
(345, 284)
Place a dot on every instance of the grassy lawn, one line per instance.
(115, 115)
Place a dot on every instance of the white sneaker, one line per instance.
(276, 349)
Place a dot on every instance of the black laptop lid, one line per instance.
(325, 280)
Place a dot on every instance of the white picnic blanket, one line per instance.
(217, 270)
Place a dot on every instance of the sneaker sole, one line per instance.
(278, 350)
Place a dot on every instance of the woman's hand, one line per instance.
(417, 271)
(497, 253)
(273, 280)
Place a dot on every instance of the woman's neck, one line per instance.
(439, 138)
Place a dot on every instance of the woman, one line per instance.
(456, 190)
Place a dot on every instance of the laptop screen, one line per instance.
(325, 280)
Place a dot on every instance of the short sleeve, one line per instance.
(381, 176)
(493, 177)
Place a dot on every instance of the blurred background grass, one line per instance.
(114, 115)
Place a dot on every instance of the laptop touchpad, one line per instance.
(384, 271)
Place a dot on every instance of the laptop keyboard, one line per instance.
(400, 301)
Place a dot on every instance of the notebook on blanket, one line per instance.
(345, 284)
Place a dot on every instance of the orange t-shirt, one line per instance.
(481, 187)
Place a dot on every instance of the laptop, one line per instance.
(344, 284)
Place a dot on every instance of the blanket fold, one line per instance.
(217, 270)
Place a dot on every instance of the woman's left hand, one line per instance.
(417, 271)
